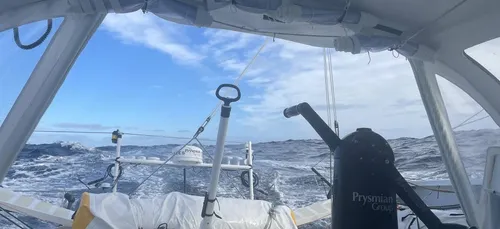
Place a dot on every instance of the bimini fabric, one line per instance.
(177, 210)
(316, 24)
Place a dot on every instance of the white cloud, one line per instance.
(378, 92)
(382, 95)
(153, 32)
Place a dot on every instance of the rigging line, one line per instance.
(317, 184)
(13, 216)
(236, 82)
(160, 136)
(332, 87)
(231, 181)
(131, 134)
(330, 169)
(183, 138)
(327, 91)
(431, 189)
(72, 131)
(60, 163)
(335, 123)
(324, 157)
(272, 33)
(224, 171)
(432, 22)
(11, 221)
(45, 191)
(159, 167)
(202, 126)
(473, 121)
(204, 149)
(466, 120)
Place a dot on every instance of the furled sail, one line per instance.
(177, 210)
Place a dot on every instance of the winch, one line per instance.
(361, 187)
(365, 179)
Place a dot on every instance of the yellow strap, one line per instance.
(83, 216)
(293, 217)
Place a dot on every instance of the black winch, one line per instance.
(365, 179)
(361, 187)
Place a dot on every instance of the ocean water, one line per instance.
(47, 171)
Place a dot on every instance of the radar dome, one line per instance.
(188, 155)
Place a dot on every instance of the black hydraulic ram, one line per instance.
(365, 179)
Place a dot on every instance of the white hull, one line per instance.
(439, 194)
(26, 205)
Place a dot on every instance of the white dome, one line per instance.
(188, 155)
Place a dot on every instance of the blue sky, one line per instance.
(145, 75)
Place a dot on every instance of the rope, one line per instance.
(323, 186)
(473, 121)
(272, 216)
(236, 82)
(204, 149)
(71, 132)
(431, 189)
(226, 172)
(131, 134)
(476, 120)
(327, 91)
(272, 33)
(245, 182)
(430, 23)
(328, 69)
(159, 167)
(195, 137)
(332, 89)
(330, 168)
(234, 186)
(107, 174)
(13, 216)
(465, 121)
(328, 109)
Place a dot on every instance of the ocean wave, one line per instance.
(284, 168)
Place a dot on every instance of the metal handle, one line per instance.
(227, 100)
(291, 111)
(324, 131)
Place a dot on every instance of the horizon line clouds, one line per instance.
(377, 91)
